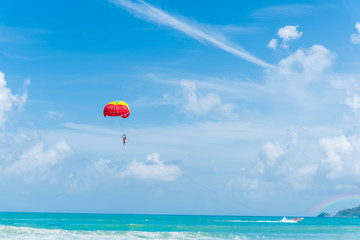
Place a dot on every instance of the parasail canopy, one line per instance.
(117, 109)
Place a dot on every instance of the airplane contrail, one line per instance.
(150, 13)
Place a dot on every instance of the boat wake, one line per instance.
(284, 220)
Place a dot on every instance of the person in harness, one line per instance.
(124, 139)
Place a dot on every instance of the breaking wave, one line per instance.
(11, 232)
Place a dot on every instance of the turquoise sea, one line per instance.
(117, 226)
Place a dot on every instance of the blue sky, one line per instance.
(236, 108)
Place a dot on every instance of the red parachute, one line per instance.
(117, 109)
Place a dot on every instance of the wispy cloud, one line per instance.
(146, 11)
(8, 100)
(20, 35)
(283, 10)
(54, 114)
(14, 56)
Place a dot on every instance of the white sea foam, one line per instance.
(17, 233)
(284, 220)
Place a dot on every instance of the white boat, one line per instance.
(291, 220)
(297, 219)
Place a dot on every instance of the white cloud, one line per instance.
(288, 33)
(301, 168)
(353, 102)
(335, 149)
(310, 171)
(350, 84)
(280, 167)
(148, 12)
(54, 114)
(272, 165)
(270, 152)
(357, 26)
(310, 61)
(8, 101)
(301, 80)
(34, 164)
(273, 43)
(209, 104)
(104, 170)
(355, 37)
(152, 169)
